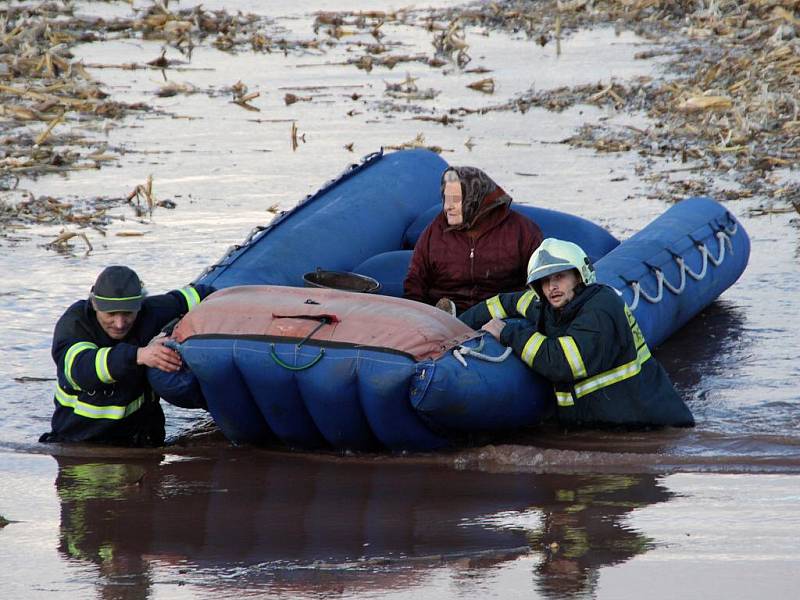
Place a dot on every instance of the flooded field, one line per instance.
(543, 515)
(249, 524)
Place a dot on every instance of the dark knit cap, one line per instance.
(117, 289)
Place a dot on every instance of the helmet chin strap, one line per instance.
(587, 271)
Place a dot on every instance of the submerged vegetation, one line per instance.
(723, 103)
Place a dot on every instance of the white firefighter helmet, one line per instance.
(554, 256)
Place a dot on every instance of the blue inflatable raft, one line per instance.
(322, 368)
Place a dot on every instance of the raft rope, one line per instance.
(724, 239)
(273, 355)
(462, 351)
(323, 320)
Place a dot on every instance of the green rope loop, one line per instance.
(285, 365)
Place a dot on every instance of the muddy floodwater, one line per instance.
(711, 512)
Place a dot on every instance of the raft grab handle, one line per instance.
(289, 367)
(724, 239)
(323, 320)
(463, 351)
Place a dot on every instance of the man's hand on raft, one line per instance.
(495, 326)
(158, 356)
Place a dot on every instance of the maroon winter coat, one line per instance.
(471, 265)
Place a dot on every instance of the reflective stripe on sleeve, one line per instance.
(496, 308)
(531, 348)
(101, 365)
(69, 360)
(564, 399)
(573, 355)
(191, 295)
(94, 411)
(525, 301)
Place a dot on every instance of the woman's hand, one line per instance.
(494, 327)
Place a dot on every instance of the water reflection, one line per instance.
(584, 529)
(282, 523)
(105, 522)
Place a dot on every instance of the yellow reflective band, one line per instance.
(125, 299)
(65, 398)
(94, 411)
(626, 371)
(191, 295)
(69, 360)
(564, 399)
(610, 377)
(496, 307)
(643, 354)
(573, 356)
(638, 337)
(101, 365)
(532, 347)
(525, 301)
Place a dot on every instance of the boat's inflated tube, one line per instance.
(316, 367)
(677, 265)
(365, 211)
(367, 221)
(325, 368)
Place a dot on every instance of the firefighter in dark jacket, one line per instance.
(581, 336)
(102, 347)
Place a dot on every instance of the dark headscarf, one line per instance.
(480, 194)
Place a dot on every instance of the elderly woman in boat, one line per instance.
(475, 248)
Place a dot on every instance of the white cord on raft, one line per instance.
(462, 351)
(724, 240)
